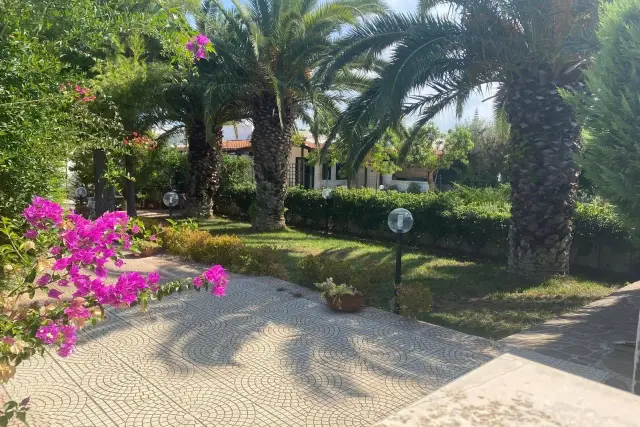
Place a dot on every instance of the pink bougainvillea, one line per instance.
(77, 251)
(198, 46)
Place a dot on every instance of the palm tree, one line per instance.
(530, 51)
(270, 51)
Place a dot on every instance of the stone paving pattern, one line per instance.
(589, 335)
(270, 353)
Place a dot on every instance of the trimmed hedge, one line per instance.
(475, 218)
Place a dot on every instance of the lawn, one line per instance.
(476, 297)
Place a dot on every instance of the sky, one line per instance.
(447, 119)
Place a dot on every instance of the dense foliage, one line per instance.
(610, 112)
(470, 216)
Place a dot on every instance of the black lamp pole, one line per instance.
(326, 214)
(398, 279)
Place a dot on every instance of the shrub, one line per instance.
(201, 246)
(467, 216)
(362, 276)
(263, 261)
(414, 300)
(414, 188)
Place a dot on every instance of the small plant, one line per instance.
(332, 292)
(14, 409)
(414, 188)
(414, 300)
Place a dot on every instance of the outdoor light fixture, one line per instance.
(170, 199)
(400, 221)
(81, 192)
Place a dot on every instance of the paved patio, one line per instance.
(270, 353)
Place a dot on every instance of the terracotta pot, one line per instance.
(149, 252)
(346, 303)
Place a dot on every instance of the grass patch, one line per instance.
(470, 296)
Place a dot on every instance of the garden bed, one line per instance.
(471, 296)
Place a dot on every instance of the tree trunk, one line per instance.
(204, 169)
(271, 142)
(432, 183)
(104, 197)
(544, 138)
(130, 186)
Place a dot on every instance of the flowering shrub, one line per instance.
(64, 256)
(198, 46)
(140, 141)
(82, 94)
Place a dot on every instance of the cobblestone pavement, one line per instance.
(270, 353)
(591, 336)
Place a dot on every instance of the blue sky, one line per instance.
(447, 119)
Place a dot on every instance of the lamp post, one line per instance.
(170, 199)
(400, 222)
(326, 195)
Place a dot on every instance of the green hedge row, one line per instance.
(475, 217)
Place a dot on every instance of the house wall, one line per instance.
(388, 181)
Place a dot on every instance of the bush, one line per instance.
(236, 171)
(362, 276)
(414, 188)
(414, 300)
(474, 217)
(228, 250)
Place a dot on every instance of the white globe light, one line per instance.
(326, 193)
(381, 187)
(81, 192)
(170, 199)
(400, 221)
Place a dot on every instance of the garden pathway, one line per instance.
(269, 353)
(592, 336)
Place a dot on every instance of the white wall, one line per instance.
(387, 181)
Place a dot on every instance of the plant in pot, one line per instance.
(146, 243)
(341, 297)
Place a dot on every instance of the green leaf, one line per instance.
(22, 416)
(4, 420)
(31, 276)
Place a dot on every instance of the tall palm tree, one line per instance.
(530, 51)
(271, 50)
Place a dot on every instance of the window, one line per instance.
(339, 174)
(326, 172)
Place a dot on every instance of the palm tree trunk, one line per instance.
(271, 142)
(204, 159)
(104, 196)
(544, 138)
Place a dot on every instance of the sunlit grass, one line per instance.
(471, 296)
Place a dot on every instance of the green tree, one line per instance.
(489, 157)
(429, 149)
(270, 58)
(610, 112)
(529, 50)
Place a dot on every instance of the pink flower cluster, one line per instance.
(63, 335)
(80, 251)
(41, 214)
(217, 277)
(197, 46)
(140, 141)
(83, 94)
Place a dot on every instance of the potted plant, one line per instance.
(148, 248)
(341, 297)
